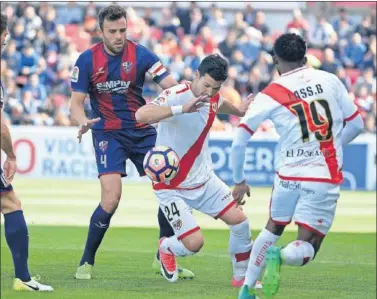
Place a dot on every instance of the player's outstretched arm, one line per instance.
(228, 108)
(154, 112)
(7, 146)
(78, 113)
(353, 128)
(168, 82)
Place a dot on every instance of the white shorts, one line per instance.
(214, 198)
(312, 205)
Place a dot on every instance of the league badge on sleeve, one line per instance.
(75, 74)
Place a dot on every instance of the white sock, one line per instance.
(257, 260)
(297, 253)
(240, 245)
(173, 245)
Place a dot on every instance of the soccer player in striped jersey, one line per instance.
(112, 72)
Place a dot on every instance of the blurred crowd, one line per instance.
(47, 39)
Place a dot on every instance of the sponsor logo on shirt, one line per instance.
(117, 86)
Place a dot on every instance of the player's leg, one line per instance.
(111, 157)
(217, 201)
(17, 237)
(284, 198)
(314, 215)
(187, 239)
(142, 146)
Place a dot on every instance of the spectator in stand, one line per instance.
(176, 66)
(239, 24)
(228, 46)
(197, 22)
(32, 23)
(321, 33)
(354, 52)
(346, 80)
(18, 36)
(369, 60)
(365, 29)
(260, 23)
(169, 23)
(367, 80)
(193, 61)
(12, 57)
(238, 61)
(29, 61)
(345, 30)
(206, 40)
(37, 89)
(329, 63)
(298, 22)
(218, 25)
(249, 45)
(70, 13)
(342, 17)
(249, 15)
(148, 18)
(49, 23)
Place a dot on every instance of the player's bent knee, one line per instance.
(111, 186)
(10, 203)
(193, 242)
(235, 215)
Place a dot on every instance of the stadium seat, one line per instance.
(71, 30)
(353, 74)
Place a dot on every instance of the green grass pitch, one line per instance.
(58, 211)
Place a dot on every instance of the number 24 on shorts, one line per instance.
(170, 212)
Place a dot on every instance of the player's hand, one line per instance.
(10, 166)
(195, 104)
(245, 104)
(239, 192)
(85, 127)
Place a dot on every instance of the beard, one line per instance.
(112, 48)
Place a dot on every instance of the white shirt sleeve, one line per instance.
(348, 107)
(237, 154)
(165, 99)
(259, 110)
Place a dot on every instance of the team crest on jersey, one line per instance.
(75, 74)
(103, 146)
(214, 107)
(177, 224)
(127, 66)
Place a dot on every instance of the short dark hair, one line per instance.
(4, 23)
(290, 47)
(215, 66)
(111, 13)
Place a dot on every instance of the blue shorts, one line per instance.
(4, 188)
(113, 148)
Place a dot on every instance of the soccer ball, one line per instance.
(161, 164)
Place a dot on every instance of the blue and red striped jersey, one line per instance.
(115, 83)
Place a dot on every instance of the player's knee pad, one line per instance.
(240, 238)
